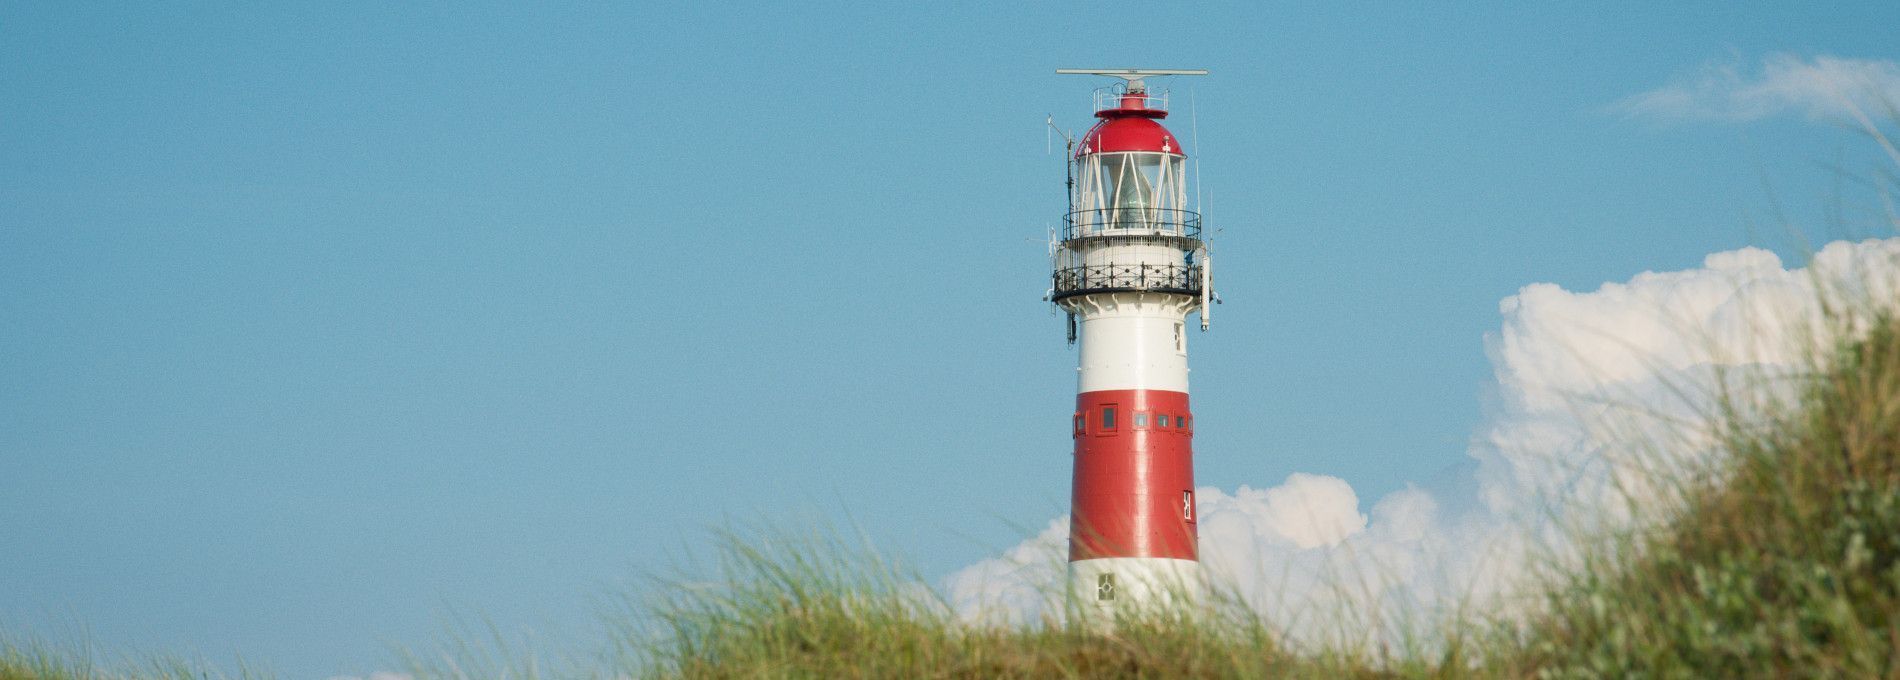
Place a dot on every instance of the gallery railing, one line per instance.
(1117, 278)
(1112, 222)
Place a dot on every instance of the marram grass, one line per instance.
(818, 608)
(43, 660)
(1781, 560)
(1784, 562)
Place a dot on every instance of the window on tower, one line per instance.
(1141, 419)
(1108, 417)
(1161, 420)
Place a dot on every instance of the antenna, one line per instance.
(1047, 139)
(1133, 75)
(1194, 128)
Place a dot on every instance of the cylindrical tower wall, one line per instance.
(1133, 538)
(1131, 341)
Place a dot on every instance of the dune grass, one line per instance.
(1781, 560)
(38, 659)
(785, 609)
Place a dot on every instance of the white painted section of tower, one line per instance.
(1131, 341)
(1139, 584)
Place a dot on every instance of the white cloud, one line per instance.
(1597, 390)
(1307, 511)
(1821, 87)
(1014, 587)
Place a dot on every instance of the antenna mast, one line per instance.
(1134, 76)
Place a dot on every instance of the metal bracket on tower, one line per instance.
(1207, 289)
(1133, 75)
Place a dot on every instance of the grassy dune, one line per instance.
(1782, 560)
(1785, 562)
(40, 660)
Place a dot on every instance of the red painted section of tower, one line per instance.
(1129, 134)
(1134, 478)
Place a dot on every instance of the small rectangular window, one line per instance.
(1180, 423)
(1079, 420)
(1187, 506)
(1108, 417)
(1141, 419)
(1161, 420)
(1190, 423)
(1104, 587)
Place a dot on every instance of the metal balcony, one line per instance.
(1126, 278)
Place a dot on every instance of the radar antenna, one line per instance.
(1133, 75)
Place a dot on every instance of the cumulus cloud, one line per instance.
(1819, 87)
(1598, 391)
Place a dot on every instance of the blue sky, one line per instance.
(320, 322)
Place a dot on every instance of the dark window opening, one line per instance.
(1141, 419)
(1161, 420)
(1108, 417)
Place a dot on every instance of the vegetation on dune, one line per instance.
(40, 660)
(1784, 562)
(1781, 560)
(786, 609)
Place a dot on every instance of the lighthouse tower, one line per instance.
(1129, 269)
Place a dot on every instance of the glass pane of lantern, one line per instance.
(1133, 190)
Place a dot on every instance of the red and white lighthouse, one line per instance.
(1129, 268)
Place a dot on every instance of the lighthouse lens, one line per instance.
(1136, 185)
(1135, 176)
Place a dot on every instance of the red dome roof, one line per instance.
(1129, 133)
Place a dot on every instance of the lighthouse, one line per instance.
(1129, 267)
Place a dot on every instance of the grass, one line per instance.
(783, 609)
(1783, 559)
(43, 660)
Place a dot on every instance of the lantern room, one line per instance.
(1130, 170)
